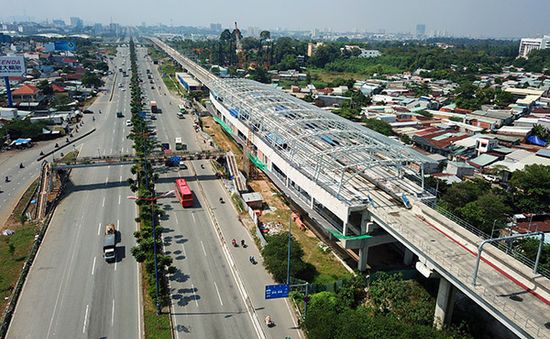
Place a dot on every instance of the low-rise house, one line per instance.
(460, 169)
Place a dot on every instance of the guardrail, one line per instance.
(500, 245)
(463, 278)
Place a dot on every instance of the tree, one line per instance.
(260, 74)
(45, 87)
(404, 299)
(322, 316)
(483, 212)
(265, 35)
(379, 126)
(531, 189)
(90, 79)
(275, 257)
(540, 131)
(460, 194)
(324, 54)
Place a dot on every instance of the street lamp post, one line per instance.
(289, 248)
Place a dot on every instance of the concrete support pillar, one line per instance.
(444, 303)
(363, 255)
(408, 257)
(345, 225)
(365, 218)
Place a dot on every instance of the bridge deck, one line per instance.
(453, 250)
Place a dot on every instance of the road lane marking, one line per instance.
(194, 295)
(103, 204)
(218, 291)
(113, 131)
(176, 217)
(203, 250)
(193, 215)
(85, 320)
(111, 151)
(118, 225)
(93, 266)
(119, 199)
(106, 180)
(122, 149)
(113, 313)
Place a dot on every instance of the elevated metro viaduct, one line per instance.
(355, 183)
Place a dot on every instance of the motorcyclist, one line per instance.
(221, 200)
(7, 179)
(21, 165)
(268, 321)
(242, 243)
(234, 242)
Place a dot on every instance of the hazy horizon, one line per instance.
(489, 18)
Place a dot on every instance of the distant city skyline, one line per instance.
(487, 18)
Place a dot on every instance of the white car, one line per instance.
(128, 122)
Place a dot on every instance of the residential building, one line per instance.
(527, 45)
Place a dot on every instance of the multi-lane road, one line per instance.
(71, 292)
(214, 282)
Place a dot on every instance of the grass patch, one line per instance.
(167, 70)
(70, 157)
(15, 248)
(156, 326)
(328, 76)
(14, 220)
(328, 267)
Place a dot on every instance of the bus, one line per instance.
(183, 192)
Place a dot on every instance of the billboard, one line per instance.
(11, 66)
(65, 46)
(60, 46)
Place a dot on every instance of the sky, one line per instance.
(476, 18)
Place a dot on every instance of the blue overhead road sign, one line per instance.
(276, 291)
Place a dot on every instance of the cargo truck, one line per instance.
(154, 107)
(109, 243)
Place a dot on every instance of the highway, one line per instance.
(214, 281)
(71, 292)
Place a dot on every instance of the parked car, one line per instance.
(128, 122)
(88, 111)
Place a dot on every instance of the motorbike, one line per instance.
(221, 201)
(252, 260)
(234, 242)
(269, 322)
(21, 165)
(202, 166)
(7, 179)
(243, 244)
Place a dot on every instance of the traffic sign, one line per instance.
(276, 291)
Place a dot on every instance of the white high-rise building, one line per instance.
(529, 44)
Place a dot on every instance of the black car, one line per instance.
(88, 111)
